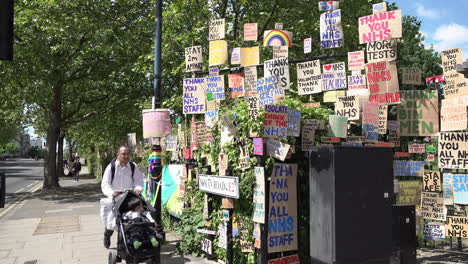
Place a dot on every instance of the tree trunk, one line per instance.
(70, 149)
(60, 154)
(51, 180)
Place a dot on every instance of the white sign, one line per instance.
(308, 45)
(227, 186)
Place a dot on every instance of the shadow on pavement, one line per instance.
(443, 257)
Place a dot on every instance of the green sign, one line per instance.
(431, 149)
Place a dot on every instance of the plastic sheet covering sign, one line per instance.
(432, 182)
(227, 186)
(218, 52)
(194, 95)
(156, 123)
(278, 67)
(337, 126)
(293, 259)
(454, 82)
(460, 188)
(418, 113)
(457, 226)
(453, 115)
(269, 90)
(408, 168)
(331, 30)
(434, 231)
(447, 184)
(309, 77)
(259, 196)
(432, 206)
(382, 80)
(409, 192)
(380, 26)
(370, 121)
(381, 50)
(170, 197)
(453, 150)
(282, 218)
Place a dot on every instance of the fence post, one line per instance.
(2, 189)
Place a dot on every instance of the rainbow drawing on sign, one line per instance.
(277, 37)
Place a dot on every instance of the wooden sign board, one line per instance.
(207, 246)
(227, 186)
(381, 26)
(453, 150)
(418, 113)
(432, 206)
(453, 115)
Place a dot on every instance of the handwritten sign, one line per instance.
(448, 188)
(309, 77)
(333, 81)
(236, 85)
(328, 5)
(432, 206)
(277, 37)
(381, 26)
(253, 102)
(315, 124)
(258, 146)
(338, 126)
(223, 236)
(250, 80)
(416, 148)
(331, 31)
(411, 76)
(227, 186)
(307, 45)
(294, 122)
(331, 96)
(454, 82)
(382, 80)
(435, 79)
(357, 85)
(393, 128)
(408, 168)
(457, 226)
(218, 53)
(453, 150)
(156, 123)
(434, 231)
(276, 121)
(356, 60)
(379, 8)
(250, 32)
(259, 196)
(383, 112)
(207, 246)
(278, 67)
(280, 51)
(171, 143)
(211, 117)
(432, 181)
(223, 161)
(277, 149)
(308, 135)
(269, 90)
(249, 56)
(293, 259)
(215, 88)
(314, 104)
(347, 106)
(381, 50)
(453, 115)
(193, 59)
(460, 188)
(217, 29)
(409, 192)
(244, 237)
(418, 113)
(236, 56)
(282, 218)
(370, 121)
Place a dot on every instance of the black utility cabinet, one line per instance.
(404, 234)
(351, 193)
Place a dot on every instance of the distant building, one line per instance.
(36, 142)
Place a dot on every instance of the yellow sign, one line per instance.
(218, 52)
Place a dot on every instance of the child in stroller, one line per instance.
(137, 214)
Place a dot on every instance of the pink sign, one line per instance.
(435, 79)
(250, 32)
(258, 146)
(156, 123)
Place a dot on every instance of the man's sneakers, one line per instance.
(107, 236)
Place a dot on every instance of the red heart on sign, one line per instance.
(327, 67)
(330, 2)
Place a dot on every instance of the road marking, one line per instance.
(30, 184)
(20, 190)
(19, 201)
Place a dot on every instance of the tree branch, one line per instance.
(275, 5)
(93, 113)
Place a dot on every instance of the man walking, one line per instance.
(120, 175)
(76, 168)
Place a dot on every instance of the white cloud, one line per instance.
(451, 36)
(425, 12)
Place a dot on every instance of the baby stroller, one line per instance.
(146, 253)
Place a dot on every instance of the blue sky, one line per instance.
(444, 23)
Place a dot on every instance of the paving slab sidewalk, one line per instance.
(63, 227)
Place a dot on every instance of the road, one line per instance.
(22, 176)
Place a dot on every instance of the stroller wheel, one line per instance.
(112, 257)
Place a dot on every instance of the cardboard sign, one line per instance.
(223, 161)
(435, 79)
(331, 96)
(309, 77)
(379, 8)
(411, 76)
(293, 259)
(249, 56)
(250, 80)
(250, 32)
(207, 246)
(227, 186)
(357, 85)
(259, 205)
(283, 209)
(454, 82)
(385, 50)
(393, 128)
(277, 37)
(218, 53)
(333, 81)
(457, 226)
(314, 104)
(280, 52)
(269, 90)
(460, 188)
(453, 115)
(453, 150)
(328, 5)
(307, 45)
(193, 59)
(331, 31)
(416, 148)
(347, 106)
(203, 133)
(278, 67)
(156, 123)
(171, 143)
(236, 56)
(408, 168)
(276, 121)
(432, 182)
(381, 26)
(254, 106)
(382, 80)
(409, 192)
(244, 235)
(432, 206)
(308, 135)
(383, 112)
(258, 146)
(315, 124)
(294, 122)
(211, 117)
(217, 29)
(236, 85)
(337, 126)
(356, 60)
(277, 149)
(418, 113)
(434, 231)
(222, 230)
(329, 140)
(448, 188)
(215, 88)
(370, 121)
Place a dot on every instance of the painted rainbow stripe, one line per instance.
(277, 36)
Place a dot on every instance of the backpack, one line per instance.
(132, 166)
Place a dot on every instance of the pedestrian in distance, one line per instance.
(120, 175)
(76, 169)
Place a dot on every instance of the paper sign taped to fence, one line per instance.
(269, 90)
(457, 226)
(448, 188)
(337, 126)
(453, 150)
(293, 259)
(250, 80)
(418, 113)
(331, 30)
(227, 186)
(381, 50)
(370, 121)
(193, 59)
(460, 188)
(382, 80)
(250, 32)
(249, 56)
(236, 85)
(277, 149)
(347, 106)
(432, 206)
(278, 67)
(453, 115)
(409, 192)
(283, 209)
(356, 60)
(276, 121)
(434, 231)
(411, 76)
(328, 5)
(432, 182)
(408, 168)
(218, 53)
(309, 77)
(217, 29)
(259, 196)
(381, 26)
